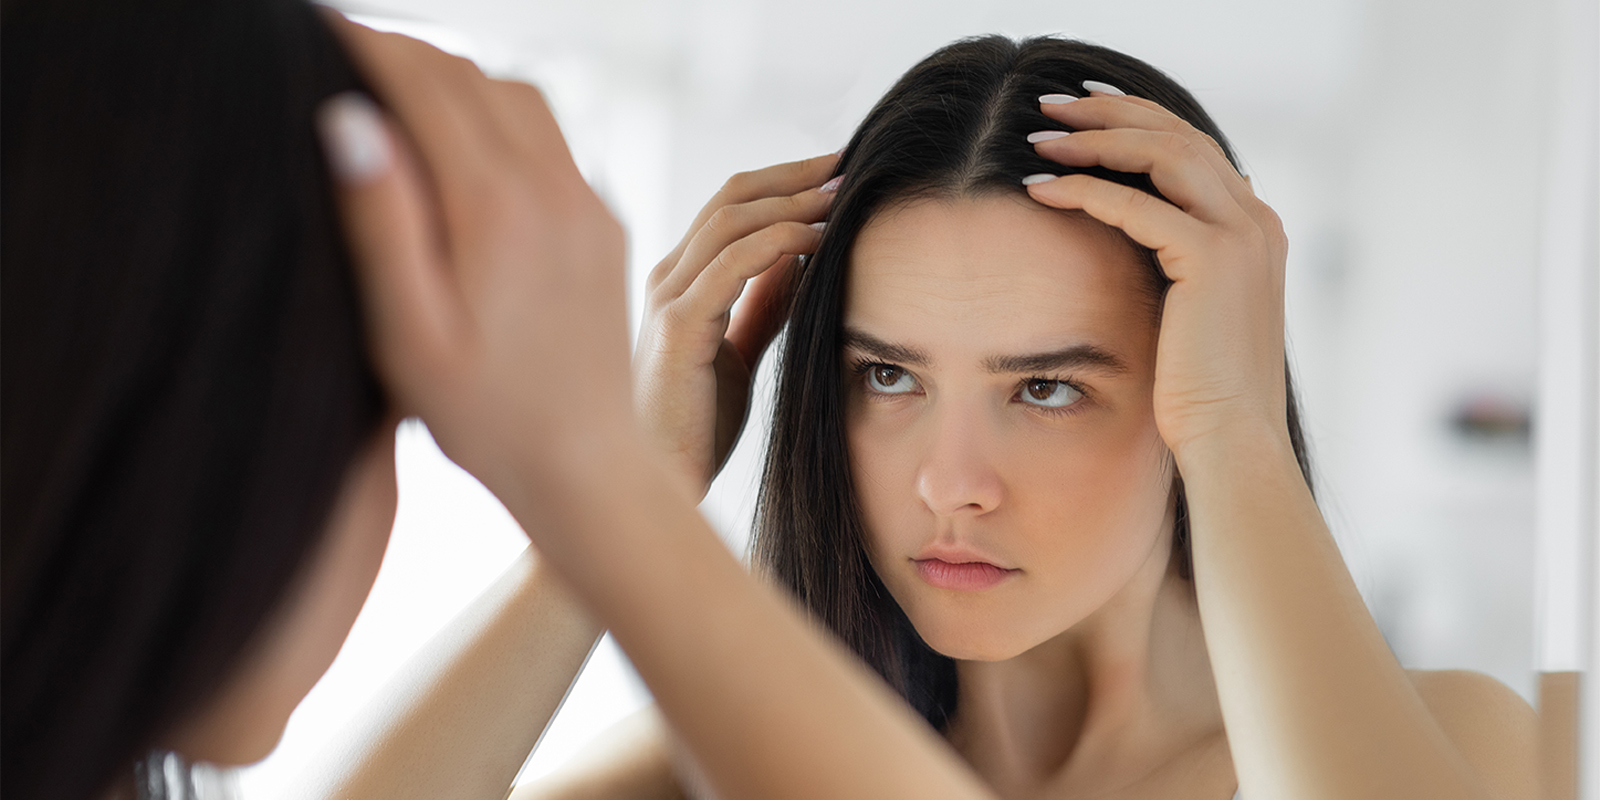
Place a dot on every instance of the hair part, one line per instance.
(954, 126)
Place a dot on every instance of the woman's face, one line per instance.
(999, 363)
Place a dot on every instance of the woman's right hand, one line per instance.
(493, 276)
(696, 355)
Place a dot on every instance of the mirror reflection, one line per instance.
(1405, 149)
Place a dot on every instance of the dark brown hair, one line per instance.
(955, 125)
(185, 376)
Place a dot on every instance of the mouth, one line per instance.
(964, 576)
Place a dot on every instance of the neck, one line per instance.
(1107, 701)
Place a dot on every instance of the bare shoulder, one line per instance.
(1495, 730)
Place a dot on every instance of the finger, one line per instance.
(731, 223)
(412, 308)
(529, 126)
(1145, 218)
(1104, 112)
(762, 310)
(717, 287)
(1175, 163)
(779, 179)
(440, 101)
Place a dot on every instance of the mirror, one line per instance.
(1422, 155)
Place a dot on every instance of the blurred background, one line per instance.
(1412, 147)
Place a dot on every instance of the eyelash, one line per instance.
(861, 366)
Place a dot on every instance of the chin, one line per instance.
(229, 745)
(971, 640)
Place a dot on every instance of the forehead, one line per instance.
(996, 273)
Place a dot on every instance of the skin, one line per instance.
(497, 307)
(1114, 679)
(957, 454)
(494, 289)
(1084, 672)
(493, 279)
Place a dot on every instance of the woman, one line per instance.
(211, 324)
(1035, 456)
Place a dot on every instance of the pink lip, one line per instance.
(969, 576)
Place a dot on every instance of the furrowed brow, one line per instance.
(1082, 356)
(878, 348)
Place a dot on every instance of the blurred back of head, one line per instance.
(185, 378)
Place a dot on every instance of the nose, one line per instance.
(958, 474)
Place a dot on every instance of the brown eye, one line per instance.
(1049, 394)
(890, 379)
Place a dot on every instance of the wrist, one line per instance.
(1230, 449)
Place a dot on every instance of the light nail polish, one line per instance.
(1045, 136)
(354, 137)
(819, 226)
(1056, 99)
(1038, 177)
(1103, 88)
(832, 185)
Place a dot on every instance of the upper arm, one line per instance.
(632, 760)
(1493, 728)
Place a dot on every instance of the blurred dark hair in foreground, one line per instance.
(185, 379)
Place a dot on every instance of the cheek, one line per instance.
(1081, 512)
(883, 466)
(1072, 486)
(1089, 508)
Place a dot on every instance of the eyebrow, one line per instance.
(878, 348)
(1078, 356)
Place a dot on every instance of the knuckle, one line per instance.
(1140, 201)
(794, 205)
(719, 220)
(772, 235)
(1266, 220)
(658, 274)
(1179, 145)
(724, 261)
(462, 66)
(727, 219)
(670, 317)
(522, 92)
(738, 184)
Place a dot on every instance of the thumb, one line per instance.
(413, 306)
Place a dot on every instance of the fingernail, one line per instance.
(1038, 177)
(818, 226)
(841, 150)
(832, 185)
(1044, 136)
(1103, 88)
(354, 137)
(1056, 99)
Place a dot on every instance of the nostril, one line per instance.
(969, 490)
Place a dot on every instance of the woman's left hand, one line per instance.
(1219, 362)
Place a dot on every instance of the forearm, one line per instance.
(769, 706)
(463, 714)
(1315, 704)
(630, 761)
